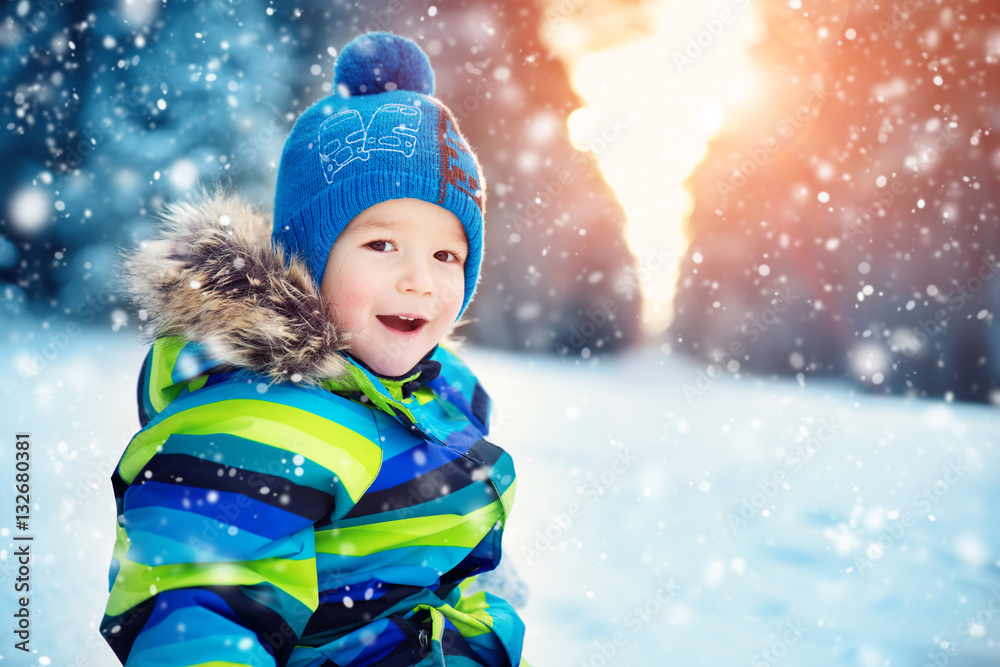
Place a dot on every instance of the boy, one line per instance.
(311, 485)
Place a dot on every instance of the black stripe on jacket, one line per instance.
(431, 485)
(304, 501)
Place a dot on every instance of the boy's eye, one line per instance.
(446, 256)
(382, 246)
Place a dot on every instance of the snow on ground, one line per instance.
(761, 522)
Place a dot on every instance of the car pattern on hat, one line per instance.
(343, 138)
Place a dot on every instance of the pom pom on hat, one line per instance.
(380, 62)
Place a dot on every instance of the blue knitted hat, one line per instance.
(381, 135)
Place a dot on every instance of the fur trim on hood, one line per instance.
(215, 277)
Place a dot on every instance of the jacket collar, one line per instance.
(402, 387)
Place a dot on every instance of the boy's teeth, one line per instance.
(401, 322)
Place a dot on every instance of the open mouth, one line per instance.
(401, 322)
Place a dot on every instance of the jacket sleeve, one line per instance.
(215, 561)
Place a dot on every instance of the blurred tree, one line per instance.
(139, 105)
(843, 225)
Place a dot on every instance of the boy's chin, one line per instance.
(391, 365)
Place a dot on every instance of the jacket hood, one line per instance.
(215, 278)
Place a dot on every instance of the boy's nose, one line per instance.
(416, 277)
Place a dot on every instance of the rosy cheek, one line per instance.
(352, 302)
(453, 296)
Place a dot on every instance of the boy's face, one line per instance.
(395, 278)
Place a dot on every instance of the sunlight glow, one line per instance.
(652, 104)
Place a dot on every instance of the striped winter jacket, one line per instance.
(281, 504)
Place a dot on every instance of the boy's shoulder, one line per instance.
(179, 375)
(460, 386)
(454, 367)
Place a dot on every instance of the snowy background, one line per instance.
(777, 450)
(867, 535)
